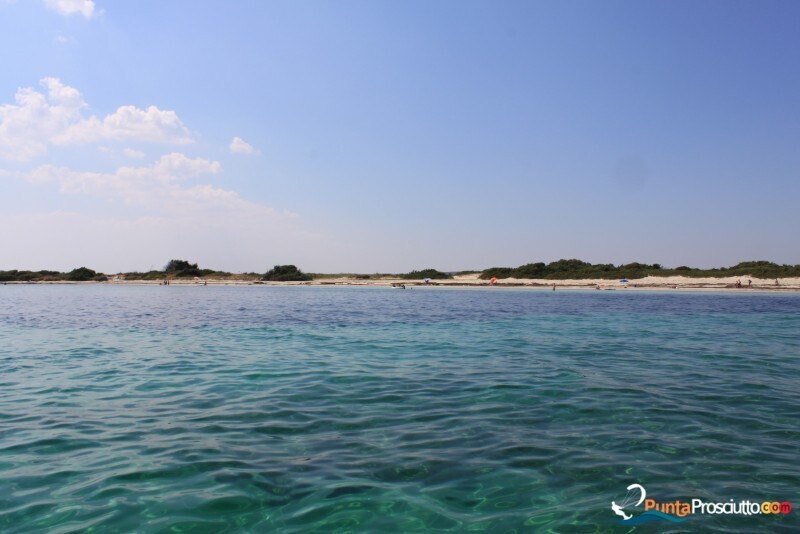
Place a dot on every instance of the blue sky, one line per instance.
(388, 136)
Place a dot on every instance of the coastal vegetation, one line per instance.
(177, 269)
(285, 273)
(433, 274)
(558, 270)
(81, 274)
(576, 270)
(84, 274)
(182, 268)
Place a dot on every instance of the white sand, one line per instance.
(472, 280)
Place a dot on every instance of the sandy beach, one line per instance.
(471, 280)
(650, 282)
(667, 283)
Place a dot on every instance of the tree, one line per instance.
(285, 273)
(433, 274)
(182, 268)
(81, 274)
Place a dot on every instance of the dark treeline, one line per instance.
(285, 273)
(81, 274)
(176, 269)
(173, 269)
(433, 274)
(557, 270)
(577, 269)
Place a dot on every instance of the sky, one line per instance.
(377, 136)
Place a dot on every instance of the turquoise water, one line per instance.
(217, 409)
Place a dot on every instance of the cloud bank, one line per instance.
(38, 120)
(161, 212)
(137, 215)
(72, 7)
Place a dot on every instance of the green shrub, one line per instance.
(496, 272)
(285, 273)
(576, 269)
(182, 268)
(81, 274)
(433, 274)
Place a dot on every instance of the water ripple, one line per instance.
(330, 409)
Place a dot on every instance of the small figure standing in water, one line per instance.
(554, 287)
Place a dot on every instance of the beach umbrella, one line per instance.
(624, 281)
(426, 279)
(493, 280)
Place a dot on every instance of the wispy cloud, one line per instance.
(129, 123)
(240, 146)
(72, 7)
(133, 153)
(142, 213)
(170, 215)
(157, 187)
(37, 120)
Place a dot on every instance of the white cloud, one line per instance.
(166, 216)
(240, 146)
(29, 126)
(133, 153)
(38, 120)
(156, 188)
(71, 7)
(129, 123)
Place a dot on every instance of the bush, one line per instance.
(285, 273)
(433, 274)
(576, 269)
(531, 270)
(496, 272)
(182, 268)
(81, 274)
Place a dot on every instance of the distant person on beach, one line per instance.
(776, 282)
(738, 283)
(749, 283)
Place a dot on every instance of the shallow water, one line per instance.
(307, 409)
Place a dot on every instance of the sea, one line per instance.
(370, 409)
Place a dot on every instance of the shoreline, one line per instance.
(673, 283)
